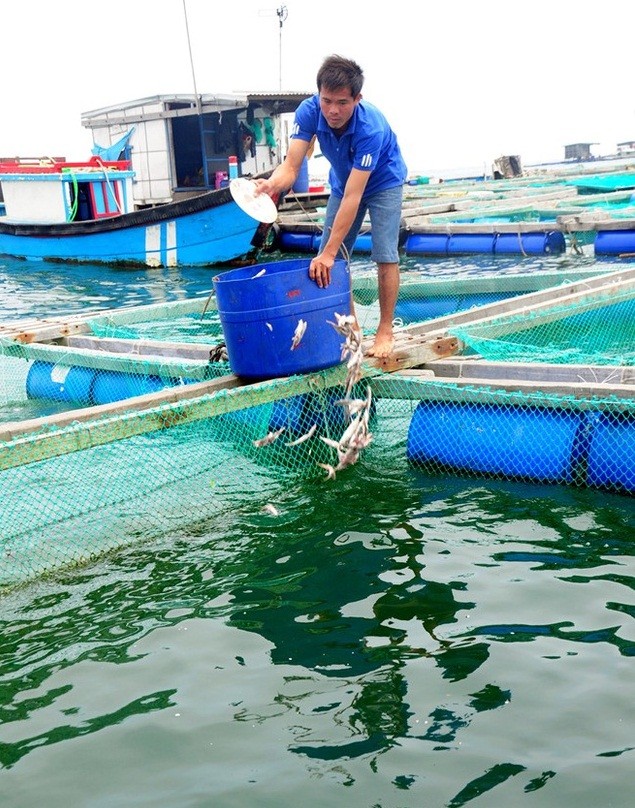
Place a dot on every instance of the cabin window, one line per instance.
(95, 200)
(202, 145)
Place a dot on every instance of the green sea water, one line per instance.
(396, 639)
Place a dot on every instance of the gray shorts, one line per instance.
(384, 208)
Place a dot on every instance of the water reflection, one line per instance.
(379, 631)
(406, 618)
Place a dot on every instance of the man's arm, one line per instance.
(321, 265)
(286, 173)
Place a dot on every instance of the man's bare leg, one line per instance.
(388, 284)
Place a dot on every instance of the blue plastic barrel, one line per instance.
(114, 385)
(296, 242)
(299, 413)
(260, 308)
(483, 299)
(363, 243)
(511, 441)
(611, 453)
(614, 242)
(301, 184)
(549, 243)
(469, 243)
(46, 380)
(427, 244)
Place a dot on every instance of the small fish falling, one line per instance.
(355, 437)
(346, 325)
(303, 438)
(259, 274)
(330, 471)
(270, 437)
(298, 334)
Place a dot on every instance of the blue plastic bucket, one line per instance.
(515, 442)
(46, 380)
(114, 385)
(260, 308)
(614, 242)
(611, 453)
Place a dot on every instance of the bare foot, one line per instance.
(383, 346)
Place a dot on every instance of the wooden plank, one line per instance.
(428, 287)
(410, 352)
(522, 304)
(423, 226)
(145, 365)
(477, 368)
(579, 223)
(86, 429)
(529, 316)
(588, 396)
(26, 442)
(46, 329)
(185, 350)
(170, 395)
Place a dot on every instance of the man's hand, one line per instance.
(320, 270)
(264, 187)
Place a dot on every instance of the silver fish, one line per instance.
(304, 437)
(353, 405)
(330, 471)
(352, 429)
(349, 458)
(259, 274)
(269, 438)
(269, 508)
(298, 334)
(334, 444)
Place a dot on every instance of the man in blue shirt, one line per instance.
(367, 174)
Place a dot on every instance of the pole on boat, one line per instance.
(189, 47)
(282, 13)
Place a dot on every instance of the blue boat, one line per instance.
(83, 213)
(158, 195)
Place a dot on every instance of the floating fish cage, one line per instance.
(122, 426)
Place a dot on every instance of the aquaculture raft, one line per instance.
(532, 215)
(155, 433)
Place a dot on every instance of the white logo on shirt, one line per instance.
(366, 161)
(295, 129)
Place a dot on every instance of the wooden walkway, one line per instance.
(450, 208)
(423, 352)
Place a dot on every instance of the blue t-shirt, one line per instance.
(368, 144)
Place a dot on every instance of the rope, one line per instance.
(100, 162)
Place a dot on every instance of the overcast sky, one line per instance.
(461, 81)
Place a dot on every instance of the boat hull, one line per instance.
(199, 231)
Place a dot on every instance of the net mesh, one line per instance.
(125, 426)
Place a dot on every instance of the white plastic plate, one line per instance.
(262, 208)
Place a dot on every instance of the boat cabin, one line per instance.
(185, 144)
(50, 190)
(578, 151)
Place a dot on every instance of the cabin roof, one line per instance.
(176, 105)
